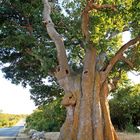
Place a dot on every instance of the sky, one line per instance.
(134, 77)
(14, 99)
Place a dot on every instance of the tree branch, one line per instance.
(91, 5)
(136, 74)
(118, 56)
(63, 69)
(85, 15)
(127, 61)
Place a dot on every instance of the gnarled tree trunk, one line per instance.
(88, 116)
(85, 99)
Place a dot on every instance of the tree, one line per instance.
(94, 58)
(85, 95)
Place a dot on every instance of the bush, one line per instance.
(125, 108)
(49, 117)
(129, 127)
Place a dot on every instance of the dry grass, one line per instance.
(52, 135)
(122, 136)
(129, 136)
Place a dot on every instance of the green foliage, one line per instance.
(125, 107)
(45, 92)
(129, 127)
(48, 117)
(28, 56)
(8, 120)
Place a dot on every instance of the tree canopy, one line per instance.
(78, 44)
(28, 55)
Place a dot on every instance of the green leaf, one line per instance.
(138, 5)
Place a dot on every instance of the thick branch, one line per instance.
(118, 57)
(58, 40)
(91, 6)
(85, 25)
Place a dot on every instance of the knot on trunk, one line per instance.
(69, 99)
(48, 23)
(61, 72)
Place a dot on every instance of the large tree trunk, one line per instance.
(88, 116)
(85, 99)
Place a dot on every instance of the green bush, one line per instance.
(129, 127)
(49, 117)
(125, 108)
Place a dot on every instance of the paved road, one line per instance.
(11, 132)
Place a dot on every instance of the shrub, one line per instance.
(124, 108)
(47, 117)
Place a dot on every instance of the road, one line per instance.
(11, 132)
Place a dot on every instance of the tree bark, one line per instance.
(88, 116)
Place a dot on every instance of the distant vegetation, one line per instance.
(8, 120)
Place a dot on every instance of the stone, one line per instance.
(38, 136)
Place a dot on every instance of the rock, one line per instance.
(31, 132)
(38, 136)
